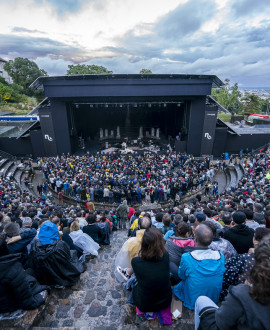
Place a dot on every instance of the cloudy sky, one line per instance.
(229, 38)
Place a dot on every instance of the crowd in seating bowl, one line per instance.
(200, 253)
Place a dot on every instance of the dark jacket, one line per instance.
(52, 264)
(238, 311)
(175, 251)
(153, 291)
(20, 246)
(94, 231)
(259, 217)
(17, 288)
(241, 237)
(66, 238)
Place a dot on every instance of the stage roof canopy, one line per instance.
(127, 86)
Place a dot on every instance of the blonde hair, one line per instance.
(74, 226)
(71, 213)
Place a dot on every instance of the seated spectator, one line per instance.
(93, 230)
(177, 245)
(267, 218)
(18, 290)
(82, 240)
(210, 217)
(81, 219)
(220, 244)
(176, 220)
(106, 229)
(50, 259)
(166, 220)
(129, 250)
(151, 268)
(200, 217)
(247, 306)
(226, 218)
(2, 223)
(258, 214)
(249, 221)
(201, 271)
(17, 242)
(158, 222)
(182, 238)
(134, 224)
(237, 268)
(240, 235)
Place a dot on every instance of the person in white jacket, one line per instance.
(82, 240)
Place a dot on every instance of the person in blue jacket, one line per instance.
(201, 271)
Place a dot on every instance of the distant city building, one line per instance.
(3, 73)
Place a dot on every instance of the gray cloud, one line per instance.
(185, 19)
(22, 29)
(173, 44)
(34, 47)
(249, 7)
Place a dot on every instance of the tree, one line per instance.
(228, 96)
(5, 93)
(87, 69)
(23, 72)
(9, 94)
(145, 71)
(252, 103)
(265, 105)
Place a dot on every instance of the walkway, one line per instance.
(98, 301)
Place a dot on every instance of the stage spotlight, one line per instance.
(91, 106)
(106, 105)
(77, 106)
(164, 105)
(120, 105)
(149, 105)
(179, 105)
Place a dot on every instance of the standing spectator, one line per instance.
(60, 197)
(122, 212)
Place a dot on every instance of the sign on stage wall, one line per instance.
(209, 127)
(47, 129)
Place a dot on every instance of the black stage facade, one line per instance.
(103, 110)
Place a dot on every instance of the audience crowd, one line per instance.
(111, 177)
(212, 253)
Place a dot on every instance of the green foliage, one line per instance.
(229, 97)
(265, 105)
(225, 116)
(252, 103)
(12, 93)
(87, 69)
(23, 72)
(3, 81)
(145, 71)
(5, 93)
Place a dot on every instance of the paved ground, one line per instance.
(98, 301)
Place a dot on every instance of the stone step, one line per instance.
(98, 300)
(10, 172)
(5, 168)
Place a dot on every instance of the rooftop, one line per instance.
(216, 82)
